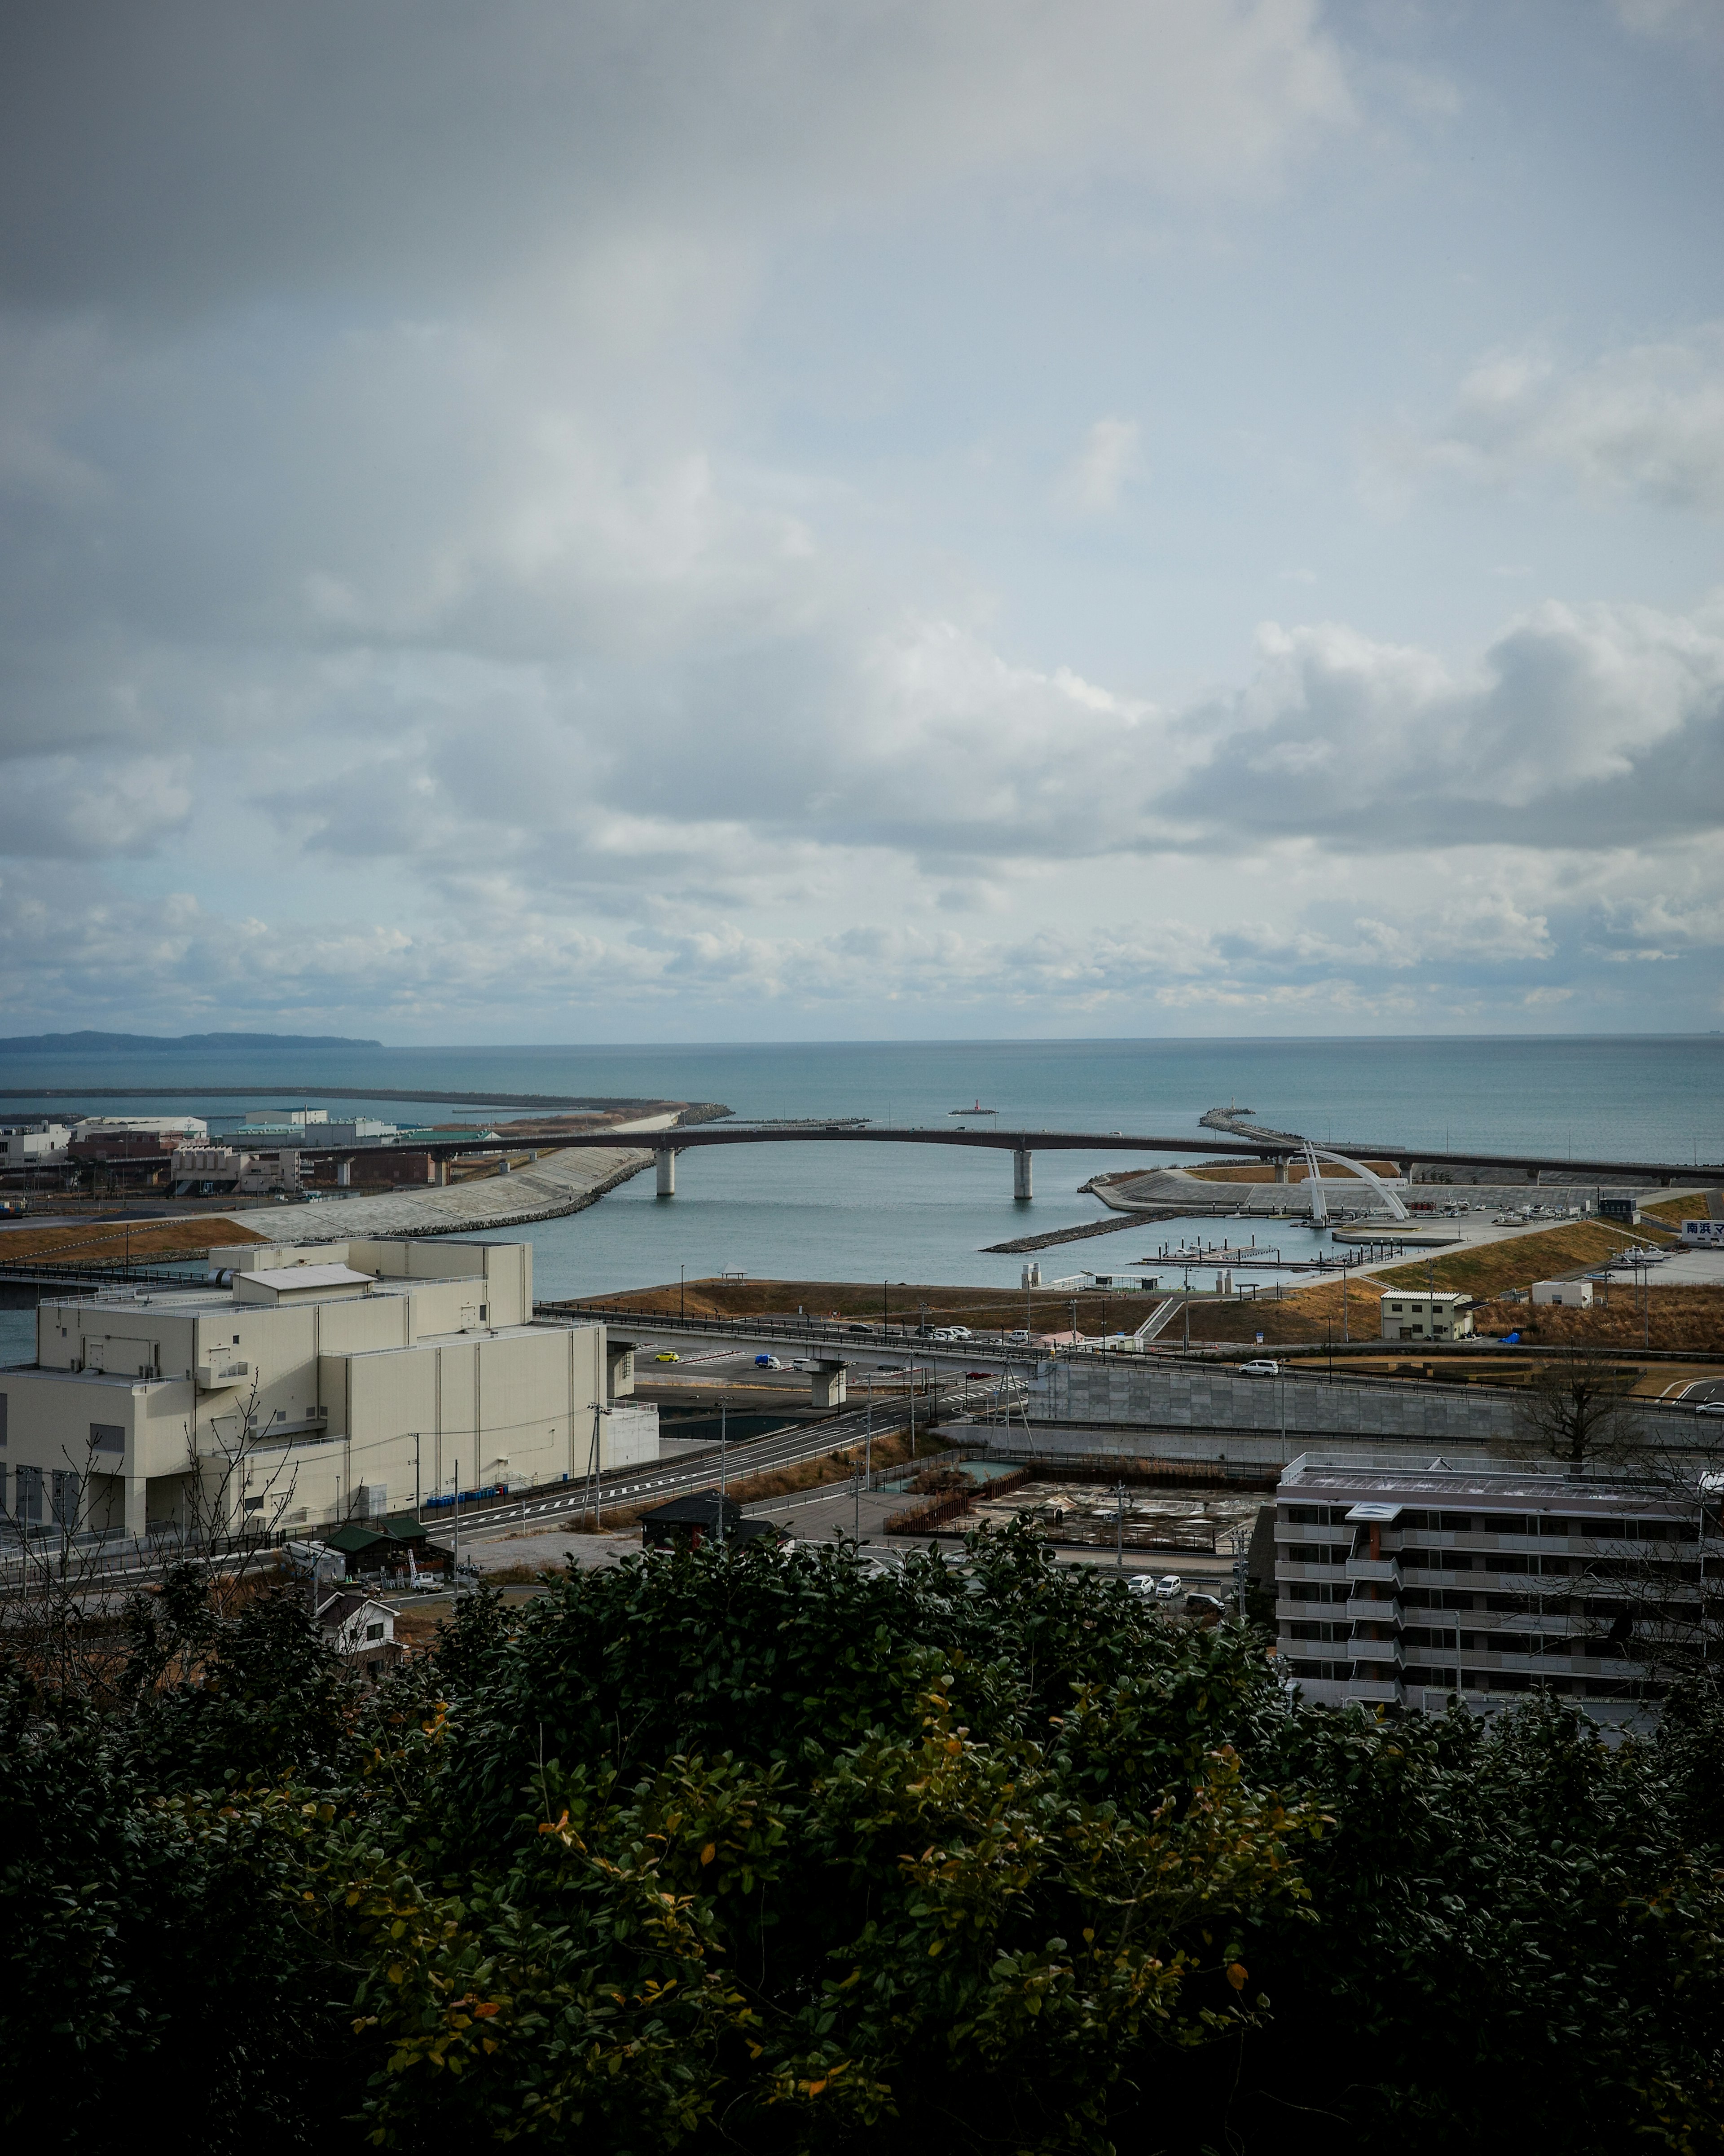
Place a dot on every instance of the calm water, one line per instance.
(921, 1213)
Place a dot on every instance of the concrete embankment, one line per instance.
(556, 1184)
(1217, 1413)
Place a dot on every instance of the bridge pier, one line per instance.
(666, 1163)
(1020, 1174)
(1281, 1171)
(827, 1388)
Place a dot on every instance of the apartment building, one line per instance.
(307, 1385)
(1426, 1316)
(1397, 1585)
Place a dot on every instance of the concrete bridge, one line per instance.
(1024, 1145)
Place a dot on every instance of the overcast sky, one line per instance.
(631, 519)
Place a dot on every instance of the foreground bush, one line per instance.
(746, 1851)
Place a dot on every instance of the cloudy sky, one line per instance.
(631, 520)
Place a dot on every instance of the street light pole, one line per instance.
(599, 1411)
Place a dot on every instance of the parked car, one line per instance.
(1018, 1339)
(1205, 1607)
(767, 1363)
(986, 1376)
(859, 1328)
(667, 1355)
(1260, 1368)
(1167, 1586)
(959, 1333)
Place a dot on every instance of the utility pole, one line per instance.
(1344, 1333)
(681, 1306)
(722, 1475)
(1120, 1521)
(456, 1561)
(417, 1500)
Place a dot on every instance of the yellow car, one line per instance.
(666, 1355)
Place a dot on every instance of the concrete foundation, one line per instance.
(1021, 1188)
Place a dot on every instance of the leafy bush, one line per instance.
(732, 1848)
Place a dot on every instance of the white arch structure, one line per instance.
(1320, 1203)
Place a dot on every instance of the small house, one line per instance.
(360, 1628)
(700, 1518)
(1425, 1315)
(1562, 1295)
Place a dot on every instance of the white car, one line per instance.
(1259, 1369)
(1169, 1586)
(959, 1333)
(1711, 1407)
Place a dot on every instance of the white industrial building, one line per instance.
(96, 1126)
(1398, 1585)
(306, 1386)
(1438, 1315)
(1562, 1295)
(34, 1145)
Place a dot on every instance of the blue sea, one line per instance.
(921, 1214)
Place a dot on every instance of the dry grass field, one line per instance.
(1518, 1260)
(104, 1242)
(865, 1301)
(1254, 1171)
(1674, 1320)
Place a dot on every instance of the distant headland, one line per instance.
(99, 1044)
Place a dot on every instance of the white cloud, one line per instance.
(1092, 483)
(1693, 22)
(1644, 422)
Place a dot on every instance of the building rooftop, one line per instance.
(1488, 1484)
(290, 1279)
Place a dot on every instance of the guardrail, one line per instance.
(136, 1275)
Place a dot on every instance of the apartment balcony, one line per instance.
(1386, 1571)
(1376, 1658)
(1373, 1690)
(1361, 1609)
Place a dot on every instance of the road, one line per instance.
(664, 1480)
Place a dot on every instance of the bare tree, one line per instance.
(68, 1593)
(1577, 1412)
